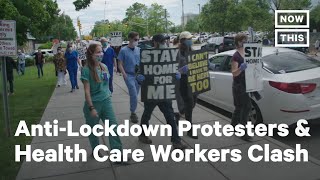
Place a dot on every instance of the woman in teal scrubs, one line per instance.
(98, 106)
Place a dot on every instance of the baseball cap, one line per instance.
(185, 35)
(159, 38)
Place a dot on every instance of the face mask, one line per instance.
(135, 43)
(188, 42)
(162, 46)
(99, 57)
(69, 49)
(59, 51)
(105, 44)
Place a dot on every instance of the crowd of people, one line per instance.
(97, 77)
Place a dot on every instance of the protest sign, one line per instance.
(8, 40)
(253, 56)
(82, 53)
(198, 74)
(116, 38)
(159, 67)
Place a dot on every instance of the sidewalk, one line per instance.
(66, 106)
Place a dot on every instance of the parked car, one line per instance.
(291, 82)
(219, 44)
(45, 52)
(144, 44)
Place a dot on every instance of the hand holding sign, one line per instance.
(178, 75)
(184, 69)
(140, 78)
(243, 66)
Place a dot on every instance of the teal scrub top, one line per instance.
(99, 91)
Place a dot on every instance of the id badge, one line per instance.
(105, 76)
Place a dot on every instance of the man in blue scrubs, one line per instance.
(72, 60)
(109, 59)
(129, 60)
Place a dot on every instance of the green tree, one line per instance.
(35, 16)
(315, 18)
(63, 28)
(289, 4)
(192, 25)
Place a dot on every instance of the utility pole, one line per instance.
(165, 13)
(104, 19)
(199, 19)
(182, 25)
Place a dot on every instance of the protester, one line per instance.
(109, 59)
(98, 106)
(188, 97)
(129, 60)
(60, 66)
(39, 61)
(241, 98)
(72, 61)
(21, 62)
(10, 65)
(117, 50)
(317, 46)
(164, 106)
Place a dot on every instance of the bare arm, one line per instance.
(115, 63)
(234, 69)
(122, 70)
(87, 93)
(79, 62)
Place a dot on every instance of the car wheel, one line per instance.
(255, 115)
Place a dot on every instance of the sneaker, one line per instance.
(246, 138)
(145, 139)
(179, 145)
(191, 135)
(59, 85)
(134, 118)
(72, 90)
(77, 87)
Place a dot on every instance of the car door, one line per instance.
(215, 64)
(223, 85)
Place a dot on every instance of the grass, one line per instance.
(28, 103)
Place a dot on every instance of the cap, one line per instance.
(159, 38)
(19, 51)
(185, 35)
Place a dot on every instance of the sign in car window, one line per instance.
(8, 40)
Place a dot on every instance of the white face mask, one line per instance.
(135, 43)
(162, 46)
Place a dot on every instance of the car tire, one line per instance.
(255, 115)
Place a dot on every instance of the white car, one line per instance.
(291, 82)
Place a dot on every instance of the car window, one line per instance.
(227, 67)
(288, 62)
(228, 40)
(217, 62)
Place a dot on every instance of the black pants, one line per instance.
(188, 97)
(11, 85)
(167, 110)
(242, 103)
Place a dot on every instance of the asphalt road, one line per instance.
(312, 143)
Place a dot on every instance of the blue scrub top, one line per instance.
(72, 59)
(130, 58)
(108, 56)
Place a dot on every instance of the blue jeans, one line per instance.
(167, 110)
(105, 111)
(21, 68)
(40, 69)
(73, 77)
(133, 88)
